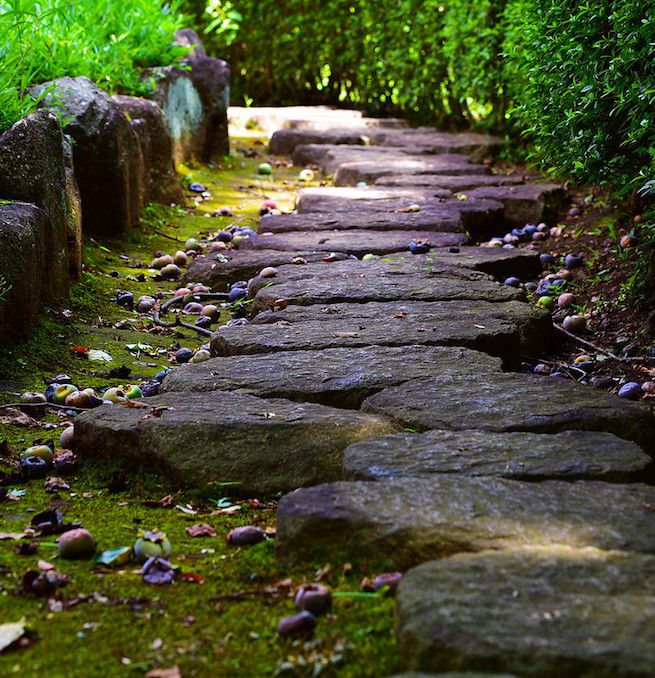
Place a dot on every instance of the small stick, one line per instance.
(164, 235)
(584, 342)
(55, 405)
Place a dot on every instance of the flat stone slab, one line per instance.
(407, 521)
(570, 455)
(513, 402)
(376, 280)
(450, 183)
(327, 198)
(535, 612)
(329, 157)
(218, 272)
(496, 337)
(357, 242)
(525, 203)
(533, 324)
(199, 439)
(284, 141)
(341, 377)
(350, 173)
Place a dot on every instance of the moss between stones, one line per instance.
(200, 632)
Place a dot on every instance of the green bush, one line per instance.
(109, 41)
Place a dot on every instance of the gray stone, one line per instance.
(32, 170)
(570, 455)
(284, 141)
(451, 183)
(350, 173)
(341, 377)
(376, 280)
(536, 612)
(525, 203)
(452, 674)
(219, 271)
(533, 324)
(357, 242)
(24, 253)
(331, 198)
(188, 38)
(161, 182)
(200, 439)
(106, 153)
(404, 522)
(513, 402)
(496, 337)
(328, 157)
(73, 226)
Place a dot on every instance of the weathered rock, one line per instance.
(350, 173)
(533, 324)
(264, 445)
(161, 182)
(187, 37)
(195, 104)
(570, 455)
(284, 141)
(404, 522)
(341, 377)
(538, 612)
(24, 243)
(376, 280)
(451, 183)
(495, 337)
(219, 270)
(525, 203)
(73, 225)
(357, 242)
(452, 674)
(513, 402)
(106, 153)
(32, 170)
(329, 157)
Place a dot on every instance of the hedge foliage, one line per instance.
(110, 41)
(576, 78)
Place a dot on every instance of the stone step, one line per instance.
(284, 141)
(200, 439)
(376, 280)
(533, 324)
(570, 455)
(538, 612)
(369, 171)
(496, 337)
(513, 402)
(219, 271)
(341, 377)
(357, 242)
(328, 158)
(450, 183)
(403, 522)
(327, 198)
(525, 203)
(478, 217)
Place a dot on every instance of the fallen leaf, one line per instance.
(12, 535)
(96, 354)
(13, 417)
(11, 632)
(173, 672)
(201, 530)
(114, 557)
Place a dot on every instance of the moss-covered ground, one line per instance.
(220, 617)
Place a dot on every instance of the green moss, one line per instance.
(204, 628)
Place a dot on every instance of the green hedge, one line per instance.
(110, 41)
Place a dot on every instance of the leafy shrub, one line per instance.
(109, 41)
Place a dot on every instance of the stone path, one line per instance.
(373, 392)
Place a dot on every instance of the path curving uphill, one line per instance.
(383, 395)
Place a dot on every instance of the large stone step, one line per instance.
(570, 455)
(540, 612)
(339, 198)
(341, 377)
(218, 271)
(400, 523)
(284, 141)
(200, 439)
(513, 402)
(525, 203)
(450, 183)
(496, 337)
(533, 324)
(376, 280)
(369, 171)
(357, 242)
